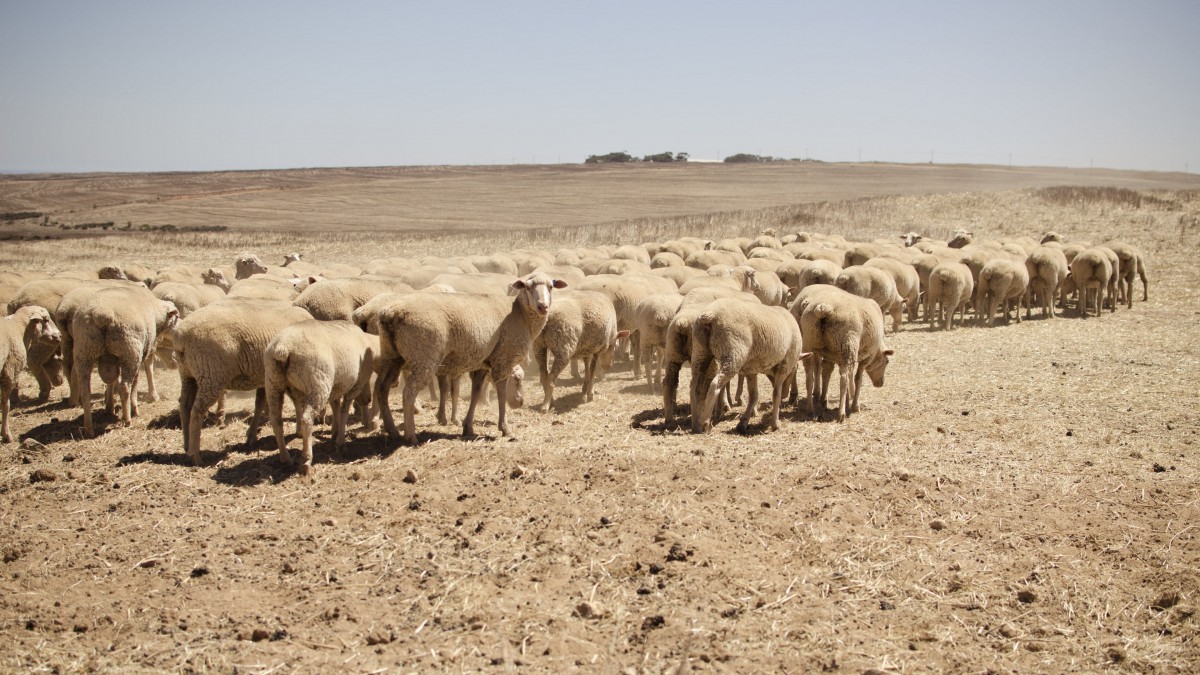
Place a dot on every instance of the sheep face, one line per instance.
(877, 365)
(216, 278)
(40, 327)
(535, 289)
(249, 265)
(112, 272)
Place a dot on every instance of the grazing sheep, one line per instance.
(449, 334)
(1048, 270)
(706, 259)
(1002, 280)
(819, 272)
(860, 253)
(318, 363)
(495, 263)
(875, 284)
(679, 343)
(815, 253)
(580, 325)
(1133, 263)
(1090, 271)
(336, 299)
(220, 347)
(744, 339)
(64, 315)
(678, 275)
(960, 238)
(651, 316)
(632, 252)
(666, 259)
(845, 330)
(950, 289)
(116, 330)
(624, 291)
(908, 282)
(187, 298)
(20, 330)
(45, 361)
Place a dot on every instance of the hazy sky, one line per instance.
(129, 85)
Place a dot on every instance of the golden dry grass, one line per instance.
(1015, 499)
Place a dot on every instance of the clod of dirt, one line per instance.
(653, 622)
(42, 476)
(1115, 654)
(198, 572)
(1008, 631)
(329, 522)
(410, 476)
(1159, 468)
(81, 628)
(517, 472)
(902, 474)
(885, 605)
(260, 634)
(678, 553)
(937, 525)
(588, 610)
(288, 568)
(1026, 596)
(380, 637)
(1167, 601)
(32, 445)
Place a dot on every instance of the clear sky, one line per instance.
(147, 85)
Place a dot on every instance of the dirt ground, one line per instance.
(1022, 498)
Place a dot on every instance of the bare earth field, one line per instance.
(1023, 498)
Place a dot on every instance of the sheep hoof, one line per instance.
(304, 469)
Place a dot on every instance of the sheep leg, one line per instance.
(845, 370)
(778, 382)
(751, 402)
(205, 396)
(148, 368)
(812, 368)
(443, 382)
(590, 365)
(187, 397)
(304, 424)
(84, 381)
(502, 396)
(858, 375)
(256, 419)
(415, 381)
(478, 378)
(39, 355)
(543, 363)
(5, 403)
(389, 373)
(635, 348)
(670, 387)
(275, 410)
(126, 386)
(341, 416)
(702, 419)
(737, 398)
(646, 357)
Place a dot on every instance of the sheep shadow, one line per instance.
(640, 387)
(652, 420)
(179, 458)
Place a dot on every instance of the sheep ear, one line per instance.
(559, 283)
(622, 334)
(888, 352)
(519, 284)
(805, 355)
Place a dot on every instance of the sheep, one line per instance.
(819, 272)
(479, 283)
(64, 315)
(20, 330)
(908, 282)
(651, 316)
(950, 289)
(221, 347)
(187, 298)
(1052, 236)
(624, 291)
(580, 325)
(318, 363)
(247, 265)
(261, 287)
(1002, 280)
(45, 361)
(1090, 270)
(666, 259)
(789, 273)
(336, 299)
(842, 329)
(740, 338)
(706, 259)
(1048, 270)
(873, 283)
(679, 343)
(495, 263)
(187, 273)
(1113, 279)
(911, 238)
(297, 266)
(568, 273)
(859, 254)
(678, 275)
(116, 330)
(450, 334)
(1133, 263)
(130, 272)
(632, 252)
(960, 238)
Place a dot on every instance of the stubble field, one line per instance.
(1022, 498)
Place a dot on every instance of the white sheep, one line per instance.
(845, 330)
(1048, 270)
(336, 299)
(19, 331)
(45, 361)
(740, 338)
(950, 289)
(1091, 272)
(908, 282)
(874, 284)
(1133, 263)
(64, 315)
(651, 316)
(580, 325)
(116, 330)
(318, 363)
(1002, 280)
(220, 347)
(430, 335)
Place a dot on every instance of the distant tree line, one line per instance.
(745, 157)
(623, 157)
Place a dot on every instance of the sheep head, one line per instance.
(39, 327)
(911, 238)
(217, 278)
(535, 291)
(878, 365)
(112, 272)
(248, 265)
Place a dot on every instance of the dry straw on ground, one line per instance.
(1015, 499)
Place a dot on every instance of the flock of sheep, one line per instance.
(340, 336)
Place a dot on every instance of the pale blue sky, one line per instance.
(131, 85)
